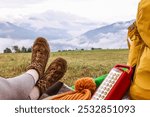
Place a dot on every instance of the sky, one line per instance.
(87, 11)
(96, 10)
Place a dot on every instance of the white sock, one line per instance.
(35, 93)
(33, 73)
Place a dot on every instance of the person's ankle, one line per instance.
(34, 74)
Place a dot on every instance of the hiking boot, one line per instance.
(54, 72)
(40, 55)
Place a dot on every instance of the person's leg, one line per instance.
(54, 72)
(21, 86)
(35, 93)
(18, 87)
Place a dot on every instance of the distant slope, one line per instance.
(109, 36)
(112, 28)
(9, 30)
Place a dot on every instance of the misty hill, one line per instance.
(112, 28)
(109, 36)
(10, 30)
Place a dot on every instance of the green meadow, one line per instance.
(87, 63)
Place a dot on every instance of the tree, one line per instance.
(24, 49)
(16, 49)
(7, 50)
(92, 48)
(29, 50)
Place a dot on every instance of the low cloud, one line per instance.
(108, 41)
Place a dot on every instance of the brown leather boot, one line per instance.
(54, 72)
(40, 55)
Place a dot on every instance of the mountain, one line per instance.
(9, 30)
(109, 36)
(112, 36)
(112, 28)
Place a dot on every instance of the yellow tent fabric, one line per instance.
(139, 53)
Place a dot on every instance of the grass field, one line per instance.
(92, 63)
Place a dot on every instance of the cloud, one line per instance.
(17, 3)
(100, 10)
(108, 41)
(112, 41)
(73, 24)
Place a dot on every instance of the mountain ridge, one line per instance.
(111, 28)
(70, 35)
